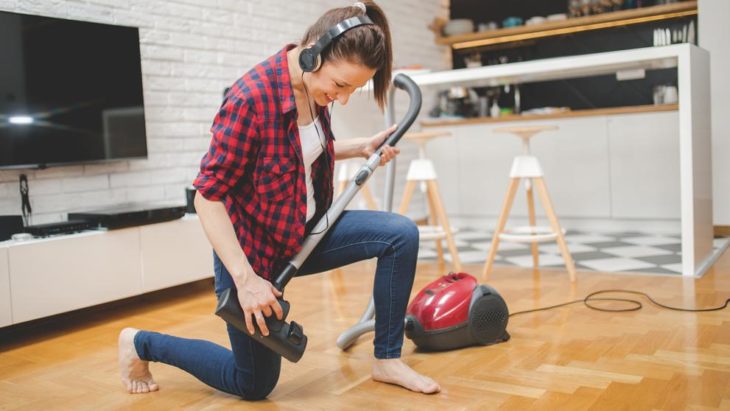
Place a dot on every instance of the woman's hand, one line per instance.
(375, 141)
(258, 299)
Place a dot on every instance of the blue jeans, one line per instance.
(251, 370)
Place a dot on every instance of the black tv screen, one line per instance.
(70, 92)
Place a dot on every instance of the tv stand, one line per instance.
(47, 276)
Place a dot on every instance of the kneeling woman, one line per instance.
(265, 181)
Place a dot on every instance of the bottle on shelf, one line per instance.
(494, 111)
(492, 94)
(574, 8)
(483, 110)
(507, 99)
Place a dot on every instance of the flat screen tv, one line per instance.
(70, 92)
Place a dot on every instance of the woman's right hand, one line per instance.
(258, 300)
(256, 296)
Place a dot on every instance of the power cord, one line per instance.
(25, 200)
(634, 304)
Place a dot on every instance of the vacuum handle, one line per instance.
(404, 82)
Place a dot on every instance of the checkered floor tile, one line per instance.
(605, 252)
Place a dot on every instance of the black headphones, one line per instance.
(310, 59)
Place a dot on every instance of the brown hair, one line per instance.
(367, 44)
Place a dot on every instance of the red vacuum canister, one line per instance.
(455, 311)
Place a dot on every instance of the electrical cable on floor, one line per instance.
(635, 305)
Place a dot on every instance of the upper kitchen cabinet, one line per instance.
(581, 18)
(492, 32)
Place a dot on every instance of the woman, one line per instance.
(265, 181)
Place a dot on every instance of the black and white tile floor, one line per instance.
(605, 252)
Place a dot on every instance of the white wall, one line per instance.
(191, 50)
(714, 31)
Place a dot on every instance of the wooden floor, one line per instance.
(567, 358)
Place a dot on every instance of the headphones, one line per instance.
(310, 59)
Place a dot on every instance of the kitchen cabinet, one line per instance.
(692, 151)
(656, 25)
(547, 29)
(644, 158)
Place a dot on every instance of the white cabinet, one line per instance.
(174, 253)
(576, 165)
(596, 168)
(445, 154)
(44, 277)
(483, 164)
(474, 166)
(60, 274)
(644, 153)
(5, 307)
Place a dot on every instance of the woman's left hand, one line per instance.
(375, 141)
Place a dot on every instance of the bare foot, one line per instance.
(395, 371)
(135, 372)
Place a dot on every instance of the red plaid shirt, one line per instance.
(254, 165)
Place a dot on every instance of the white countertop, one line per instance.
(586, 65)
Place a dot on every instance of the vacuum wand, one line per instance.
(288, 339)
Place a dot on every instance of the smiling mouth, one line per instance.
(329, 99)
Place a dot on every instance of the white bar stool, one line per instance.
(528, 167)
(421, 171)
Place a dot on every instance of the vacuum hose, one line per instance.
(404, 82)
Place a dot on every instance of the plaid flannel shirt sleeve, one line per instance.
(232, 149)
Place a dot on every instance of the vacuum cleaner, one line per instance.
(288, 339)
(455, 311)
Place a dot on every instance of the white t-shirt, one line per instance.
(311, 149)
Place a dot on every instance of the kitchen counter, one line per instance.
(695, 169)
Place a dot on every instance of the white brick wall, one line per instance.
(191, 50)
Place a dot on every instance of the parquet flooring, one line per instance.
(563, 359)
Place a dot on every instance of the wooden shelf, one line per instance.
(651, 108)
(569, 26)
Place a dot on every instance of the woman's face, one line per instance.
(337, 80)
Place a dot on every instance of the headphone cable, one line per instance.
(635, 305)
(324, 149)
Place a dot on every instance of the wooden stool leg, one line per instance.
(369, 199)
(504, 214)
(432, 221)
(531, 213)
(545, 198)
(407, 195)
(433, 191)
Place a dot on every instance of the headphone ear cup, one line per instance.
(309, 60)
(317, 62)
